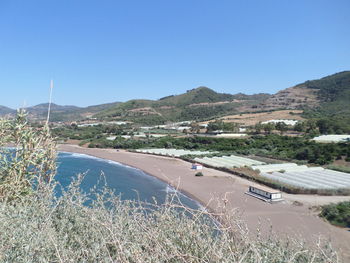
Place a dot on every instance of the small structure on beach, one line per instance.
(265, 194)
(197, 166)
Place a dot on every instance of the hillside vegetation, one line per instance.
(196, 104)
(333, 93)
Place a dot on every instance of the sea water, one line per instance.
(128, 182)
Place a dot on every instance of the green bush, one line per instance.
(337, 214)
(31, 161)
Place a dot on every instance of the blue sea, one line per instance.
(128, 182)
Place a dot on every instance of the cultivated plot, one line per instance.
(332, 138)
(228, 161)
(173, 152)
(285, 167)
(311, 178)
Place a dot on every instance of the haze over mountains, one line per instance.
(328, 96)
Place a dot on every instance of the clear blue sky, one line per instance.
(103, 51)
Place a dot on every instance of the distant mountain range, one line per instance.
(328, 96)
(58, 112)
(6, 111)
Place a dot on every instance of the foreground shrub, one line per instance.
(44, 228)
(31, 160)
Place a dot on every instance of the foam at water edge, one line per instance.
(169, 190)
(82, 155)
(86, 156)
(77, 155)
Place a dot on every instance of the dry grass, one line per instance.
(42, 228)
(250, 119)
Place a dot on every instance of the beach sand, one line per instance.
(216, 188)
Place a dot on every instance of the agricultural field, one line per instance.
(250, 119)
(231, 161)
(173, 152)
(312, 179)
(304, 177)
(334, 138)
(285, 167)
(297, 176)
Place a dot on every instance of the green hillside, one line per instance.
(333, 93)
(196, 104)
(198, 95)
(334, 101)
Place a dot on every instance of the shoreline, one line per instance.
(216, 188)
(183, 192)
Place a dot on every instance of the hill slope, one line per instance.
(333, 94)
(195, 104)
(325, 97)
(58, 112)
(77, 113)
(6, 111)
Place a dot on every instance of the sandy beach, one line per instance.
(216, 188)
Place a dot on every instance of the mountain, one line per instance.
(4, 111)
(328, 96)
(325, 97)
(39, 112)
(333, 94)
(73, 113)
(196, 104)
(59, 112)
(297, 97)
(195, 96)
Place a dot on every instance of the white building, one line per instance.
(197, 166)
(287, 122)
(182, 128)
(265, 194)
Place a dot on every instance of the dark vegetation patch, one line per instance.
(334, 95)
(337, 214)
